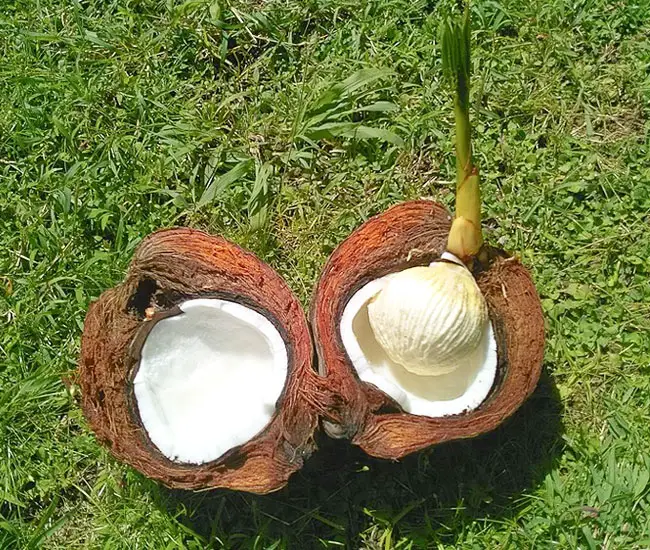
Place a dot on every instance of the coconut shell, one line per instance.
(407, 235)
(169, 267)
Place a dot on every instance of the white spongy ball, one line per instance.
(429, 319)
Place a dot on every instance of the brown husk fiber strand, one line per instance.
(169, 267)
(415, 233)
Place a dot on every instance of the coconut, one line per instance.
(386, 410)
(191, 369)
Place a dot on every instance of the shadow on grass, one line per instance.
(341, 493)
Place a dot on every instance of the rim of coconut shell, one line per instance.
(410, 234)
(169, 267)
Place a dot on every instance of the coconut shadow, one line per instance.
(431, 495)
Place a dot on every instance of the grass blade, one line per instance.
(218, 185)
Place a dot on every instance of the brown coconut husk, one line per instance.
(170, 267)
(407, 235)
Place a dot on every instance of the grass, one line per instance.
(283, 125)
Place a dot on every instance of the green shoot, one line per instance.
(465, 238)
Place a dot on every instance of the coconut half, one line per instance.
(192, 369)
(381, 407)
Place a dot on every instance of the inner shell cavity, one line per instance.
(459, 391)
(209, 379)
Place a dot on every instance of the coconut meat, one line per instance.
(456, 392)
(208, 379)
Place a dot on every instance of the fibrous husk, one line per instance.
(407, 235)
(170, 267)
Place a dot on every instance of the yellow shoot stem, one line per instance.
(465, 238)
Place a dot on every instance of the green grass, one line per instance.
(283, 125)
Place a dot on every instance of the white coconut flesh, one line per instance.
(461, 390)
(209, 379)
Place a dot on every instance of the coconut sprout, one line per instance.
(429, 334)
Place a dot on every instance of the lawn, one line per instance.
(283, 125)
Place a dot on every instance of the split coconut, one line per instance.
(197, 369)
(191, 369)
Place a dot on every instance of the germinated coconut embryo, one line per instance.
(208, 379)
(461, 380)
